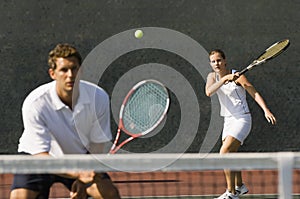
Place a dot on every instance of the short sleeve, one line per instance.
(36, 137)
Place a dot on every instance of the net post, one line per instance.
(285, 174)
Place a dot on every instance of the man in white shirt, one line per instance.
(65, 116)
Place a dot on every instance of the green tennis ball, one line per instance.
(138, 34)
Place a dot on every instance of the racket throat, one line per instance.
(113, 147)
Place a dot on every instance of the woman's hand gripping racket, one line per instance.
(142, 110)
(271, 52)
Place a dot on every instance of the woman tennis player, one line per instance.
(231, 90)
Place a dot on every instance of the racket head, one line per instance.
(144, 107)
(274, 50)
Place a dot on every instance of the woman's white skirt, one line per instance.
(238, 127)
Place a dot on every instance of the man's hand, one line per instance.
(83, 181)
(78, 190)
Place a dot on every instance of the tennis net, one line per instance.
(267, 175)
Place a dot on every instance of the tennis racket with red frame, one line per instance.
(271, 52)
(142, 110)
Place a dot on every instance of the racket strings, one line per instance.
(274, 50)
(145, 108)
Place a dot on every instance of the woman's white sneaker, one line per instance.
(227, 195)
(242, 190)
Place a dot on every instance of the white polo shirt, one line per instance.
(51, 126)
